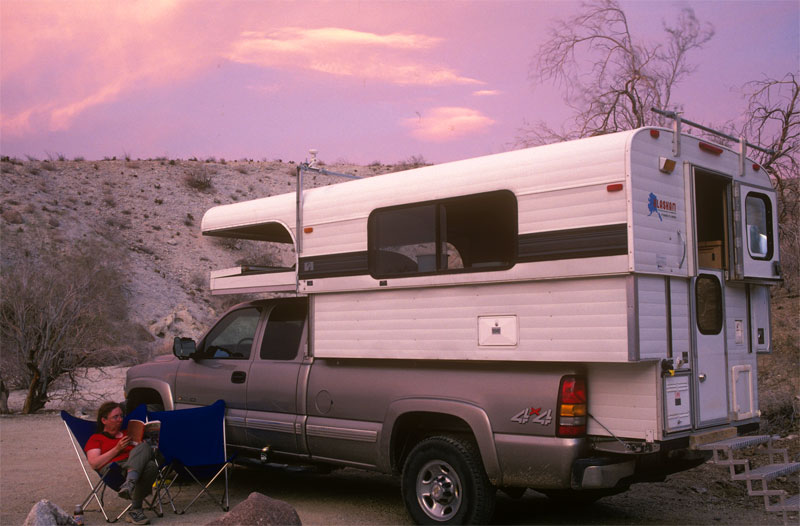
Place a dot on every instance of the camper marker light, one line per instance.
(666, 165)
(308, 229)
(756, 167)
(710, 148)
(655, 134)
(614, 187)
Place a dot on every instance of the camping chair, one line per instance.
(193, 444)
(79, 431)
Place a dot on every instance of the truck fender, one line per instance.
(152, 384)
(473, 415)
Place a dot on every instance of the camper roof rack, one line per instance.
(676, 137)
(310, 165)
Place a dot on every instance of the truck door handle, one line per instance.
(238, 377)
(701, 377)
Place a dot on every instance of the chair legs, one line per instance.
(100, 488)
(164, 484)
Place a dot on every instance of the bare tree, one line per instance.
(58, 315)
(612, 79)
(773, 121)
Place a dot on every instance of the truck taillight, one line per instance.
(571, 407)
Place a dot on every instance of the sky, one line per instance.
(361, 81)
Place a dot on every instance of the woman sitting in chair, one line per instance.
(112, 444)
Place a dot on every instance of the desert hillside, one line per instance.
(145, 216)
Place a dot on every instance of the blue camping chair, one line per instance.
(79, 431)
(193, 444)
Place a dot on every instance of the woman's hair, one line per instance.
(103, 412)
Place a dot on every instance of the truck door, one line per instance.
(220, 367)
(273, 380)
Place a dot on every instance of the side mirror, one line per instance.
(183, 348)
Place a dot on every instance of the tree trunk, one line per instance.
(36, 398)
(3, 398)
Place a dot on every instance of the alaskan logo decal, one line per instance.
(539, 417)
(661, 207)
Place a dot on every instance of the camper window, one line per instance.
(758, 216)
(708, 298)
(461, 234)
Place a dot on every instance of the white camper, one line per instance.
(645, 255)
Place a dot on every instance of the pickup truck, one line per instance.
(454, 431)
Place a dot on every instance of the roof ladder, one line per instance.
(676, 137)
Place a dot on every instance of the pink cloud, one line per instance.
(486, 92)
(447, 123)
(89, 54)
(391, 58)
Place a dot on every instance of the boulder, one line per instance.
(177, 323)
(259, 510)
(45, 513)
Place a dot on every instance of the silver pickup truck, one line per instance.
(455, 431)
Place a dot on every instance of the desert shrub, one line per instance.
(226, 243)
(415, 161)
(198, 178)
(59, 312)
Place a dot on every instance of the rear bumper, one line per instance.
(538, 462)
(601, 473)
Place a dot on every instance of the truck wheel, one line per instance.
(444, 482)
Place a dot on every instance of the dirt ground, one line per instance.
(37, 462)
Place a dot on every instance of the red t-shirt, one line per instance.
(105, 444)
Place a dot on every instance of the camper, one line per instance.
(570, 318)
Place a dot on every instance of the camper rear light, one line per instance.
(571, 407)
(710, 148)
(655, 134)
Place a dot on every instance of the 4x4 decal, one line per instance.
(524, 416)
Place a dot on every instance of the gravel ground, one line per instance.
(37, 462)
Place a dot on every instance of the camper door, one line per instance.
(759, 232)
(712, 234)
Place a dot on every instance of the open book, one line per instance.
(139, 431)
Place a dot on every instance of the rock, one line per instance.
(13, 217)
(259, 510)
(45, 513)
(178, 323)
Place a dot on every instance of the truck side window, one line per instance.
(232, 337)
(758, 221)
(284, 331)
(461, 234)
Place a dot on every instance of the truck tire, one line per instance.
(443, 482)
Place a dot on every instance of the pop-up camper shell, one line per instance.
(644, 255)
